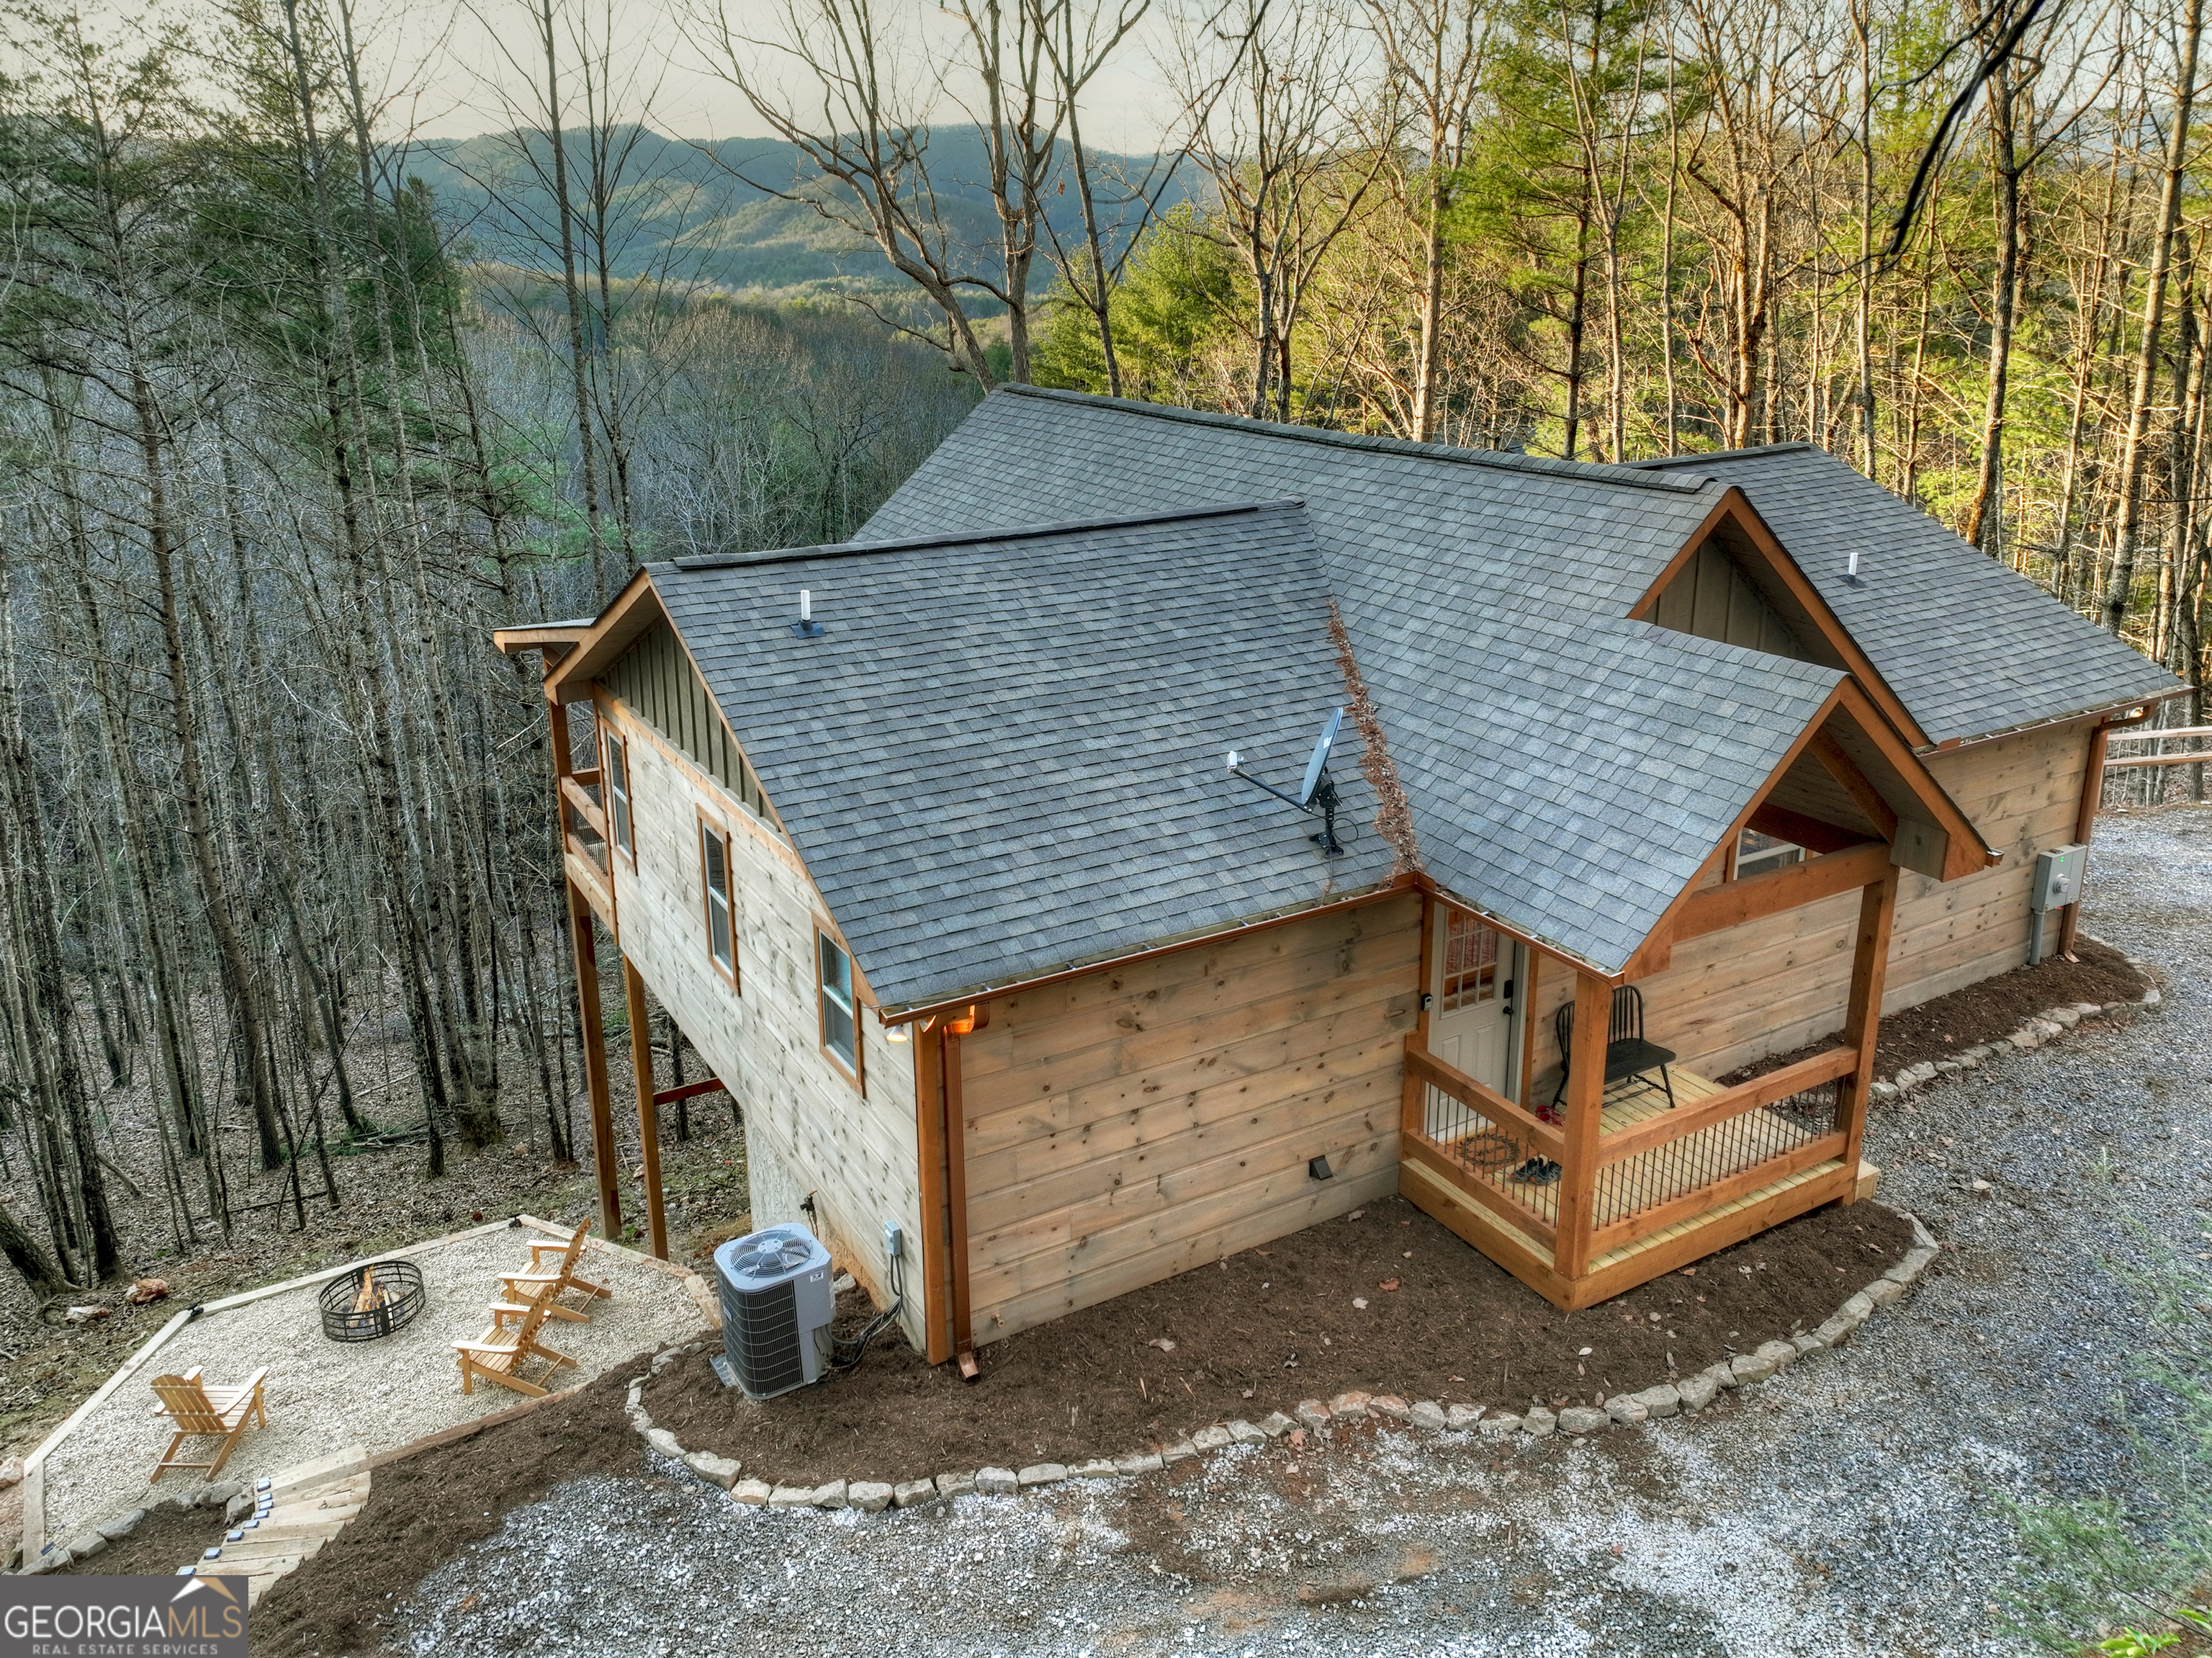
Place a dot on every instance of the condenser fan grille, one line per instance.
(774, 1258)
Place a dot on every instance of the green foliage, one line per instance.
(1180, 304)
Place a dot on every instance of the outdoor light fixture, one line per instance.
(898, 1034)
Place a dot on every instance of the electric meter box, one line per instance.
(2058, 873)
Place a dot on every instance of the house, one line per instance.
(931, 843)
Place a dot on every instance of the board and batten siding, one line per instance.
(808, 1127)
(1774, 985)
(1135, 1122)
(654, 679)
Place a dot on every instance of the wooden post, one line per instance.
(1585, 1102)
(936, 1219)
(956, 1198)
(648, 1108)
(595, 1061)
(1529, 958)
(1863, 1014)
(2085, 821)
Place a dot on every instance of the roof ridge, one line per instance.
(1660, 462)
(1631, 475)
(972, 537)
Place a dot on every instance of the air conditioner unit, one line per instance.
(777, 1305)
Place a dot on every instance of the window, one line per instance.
(1756, 854)
(617, 792)
(714, 864)
(841, 1031)
(1470, 962)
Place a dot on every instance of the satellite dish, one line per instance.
(1319, 760)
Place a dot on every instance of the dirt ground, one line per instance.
(1385, 1300)
(1987, 1012)
(165, 1540)
(423, 1508)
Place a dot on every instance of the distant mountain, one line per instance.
(708, 212)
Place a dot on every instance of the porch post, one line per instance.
(936, 1243)
(649, 1109)
(595, 1060)
(1585, 1100)
(1863, 1014)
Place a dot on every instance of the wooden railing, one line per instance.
(1470, 1135)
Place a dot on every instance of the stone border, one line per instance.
(2047, 1027)
(1688, 1396)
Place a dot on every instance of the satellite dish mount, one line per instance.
(1316, 793)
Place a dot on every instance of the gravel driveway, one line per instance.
(1852, 1507)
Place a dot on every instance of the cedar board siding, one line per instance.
(859, 1153)
(1135, 1123)
(1771, 986)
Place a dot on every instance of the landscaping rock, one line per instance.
(1496, 1424)
(1427, 1414)
(1349, 1406)
(2150, 997)
(1977, 1053)
(1581, 1419)
(722, 1470)
(1780, 1354)
(1858, 1309)
(791, 1496)
(1910, 1267)
(86, 1543)
(1042, 1473)
(1882, 1093)
(1140, 1462)
(664, 1444)
(11, 1472)
(1883, 1290)
(1696, 1391)
(116, 1530)
(53, 1559)
(1836, 1331)
(998, 1482)
(1752, 1366)
(2026, 1039)
(1212, 1439)
(959, 1484)
(837, 1494)
(1275, 1424)
(1245, 1433)
(1913, 1076)
(907, 1493)
(2046, 1029)
(1102, 1467)
(871, 1496)
(236, 1509)
(1311, 1413)
(1540, 1422)
(1723, 1373)
(1461, 1418)
(1807, 1344)
(1181, 1449)
(1389, 1405)
(1627, 1410)
(2068, 1016)
(753, 1493)
(1662, 1400)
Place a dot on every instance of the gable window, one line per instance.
(714, 869)
(1756, 854)
(841, 1030)
(617, 793)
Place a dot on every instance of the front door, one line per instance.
(1471, 980)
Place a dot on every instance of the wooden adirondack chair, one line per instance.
(511, 1347)
(522, 1286)
(203, 1412)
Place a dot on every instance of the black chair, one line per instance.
(1627, 1052)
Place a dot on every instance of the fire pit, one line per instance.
(374, 1302)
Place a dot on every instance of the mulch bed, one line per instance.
(1269, 1327)
(1986, 1012)
(166, 1538)
(423, 1509)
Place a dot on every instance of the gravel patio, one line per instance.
(1854, 1507)
(322, 1394)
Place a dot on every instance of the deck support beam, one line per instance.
(648, 1107)
(1862, 1013)
(595, 1060)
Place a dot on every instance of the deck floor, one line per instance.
(1494, 1155)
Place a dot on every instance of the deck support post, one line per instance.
(648, 1108)
(595, 1060)
(1585, 1102)
(956, 1202)
(1863, 1014)
(936, 1243)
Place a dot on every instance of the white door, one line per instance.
(1471, 974)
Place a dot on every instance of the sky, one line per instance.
(454, 72)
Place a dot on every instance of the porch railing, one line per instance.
(1681, 1164)
(1476, 1138)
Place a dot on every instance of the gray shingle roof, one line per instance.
(1568, 771)
(1006, 755)
(1968, 645)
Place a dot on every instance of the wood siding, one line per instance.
(1138, 1122)
(1771, 986)
(654, 680)
(805, 1119)
(1712, 599)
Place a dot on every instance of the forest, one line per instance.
(298, 406)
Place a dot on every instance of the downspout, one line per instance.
(2092, 791)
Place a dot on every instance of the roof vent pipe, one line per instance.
(807, 627)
